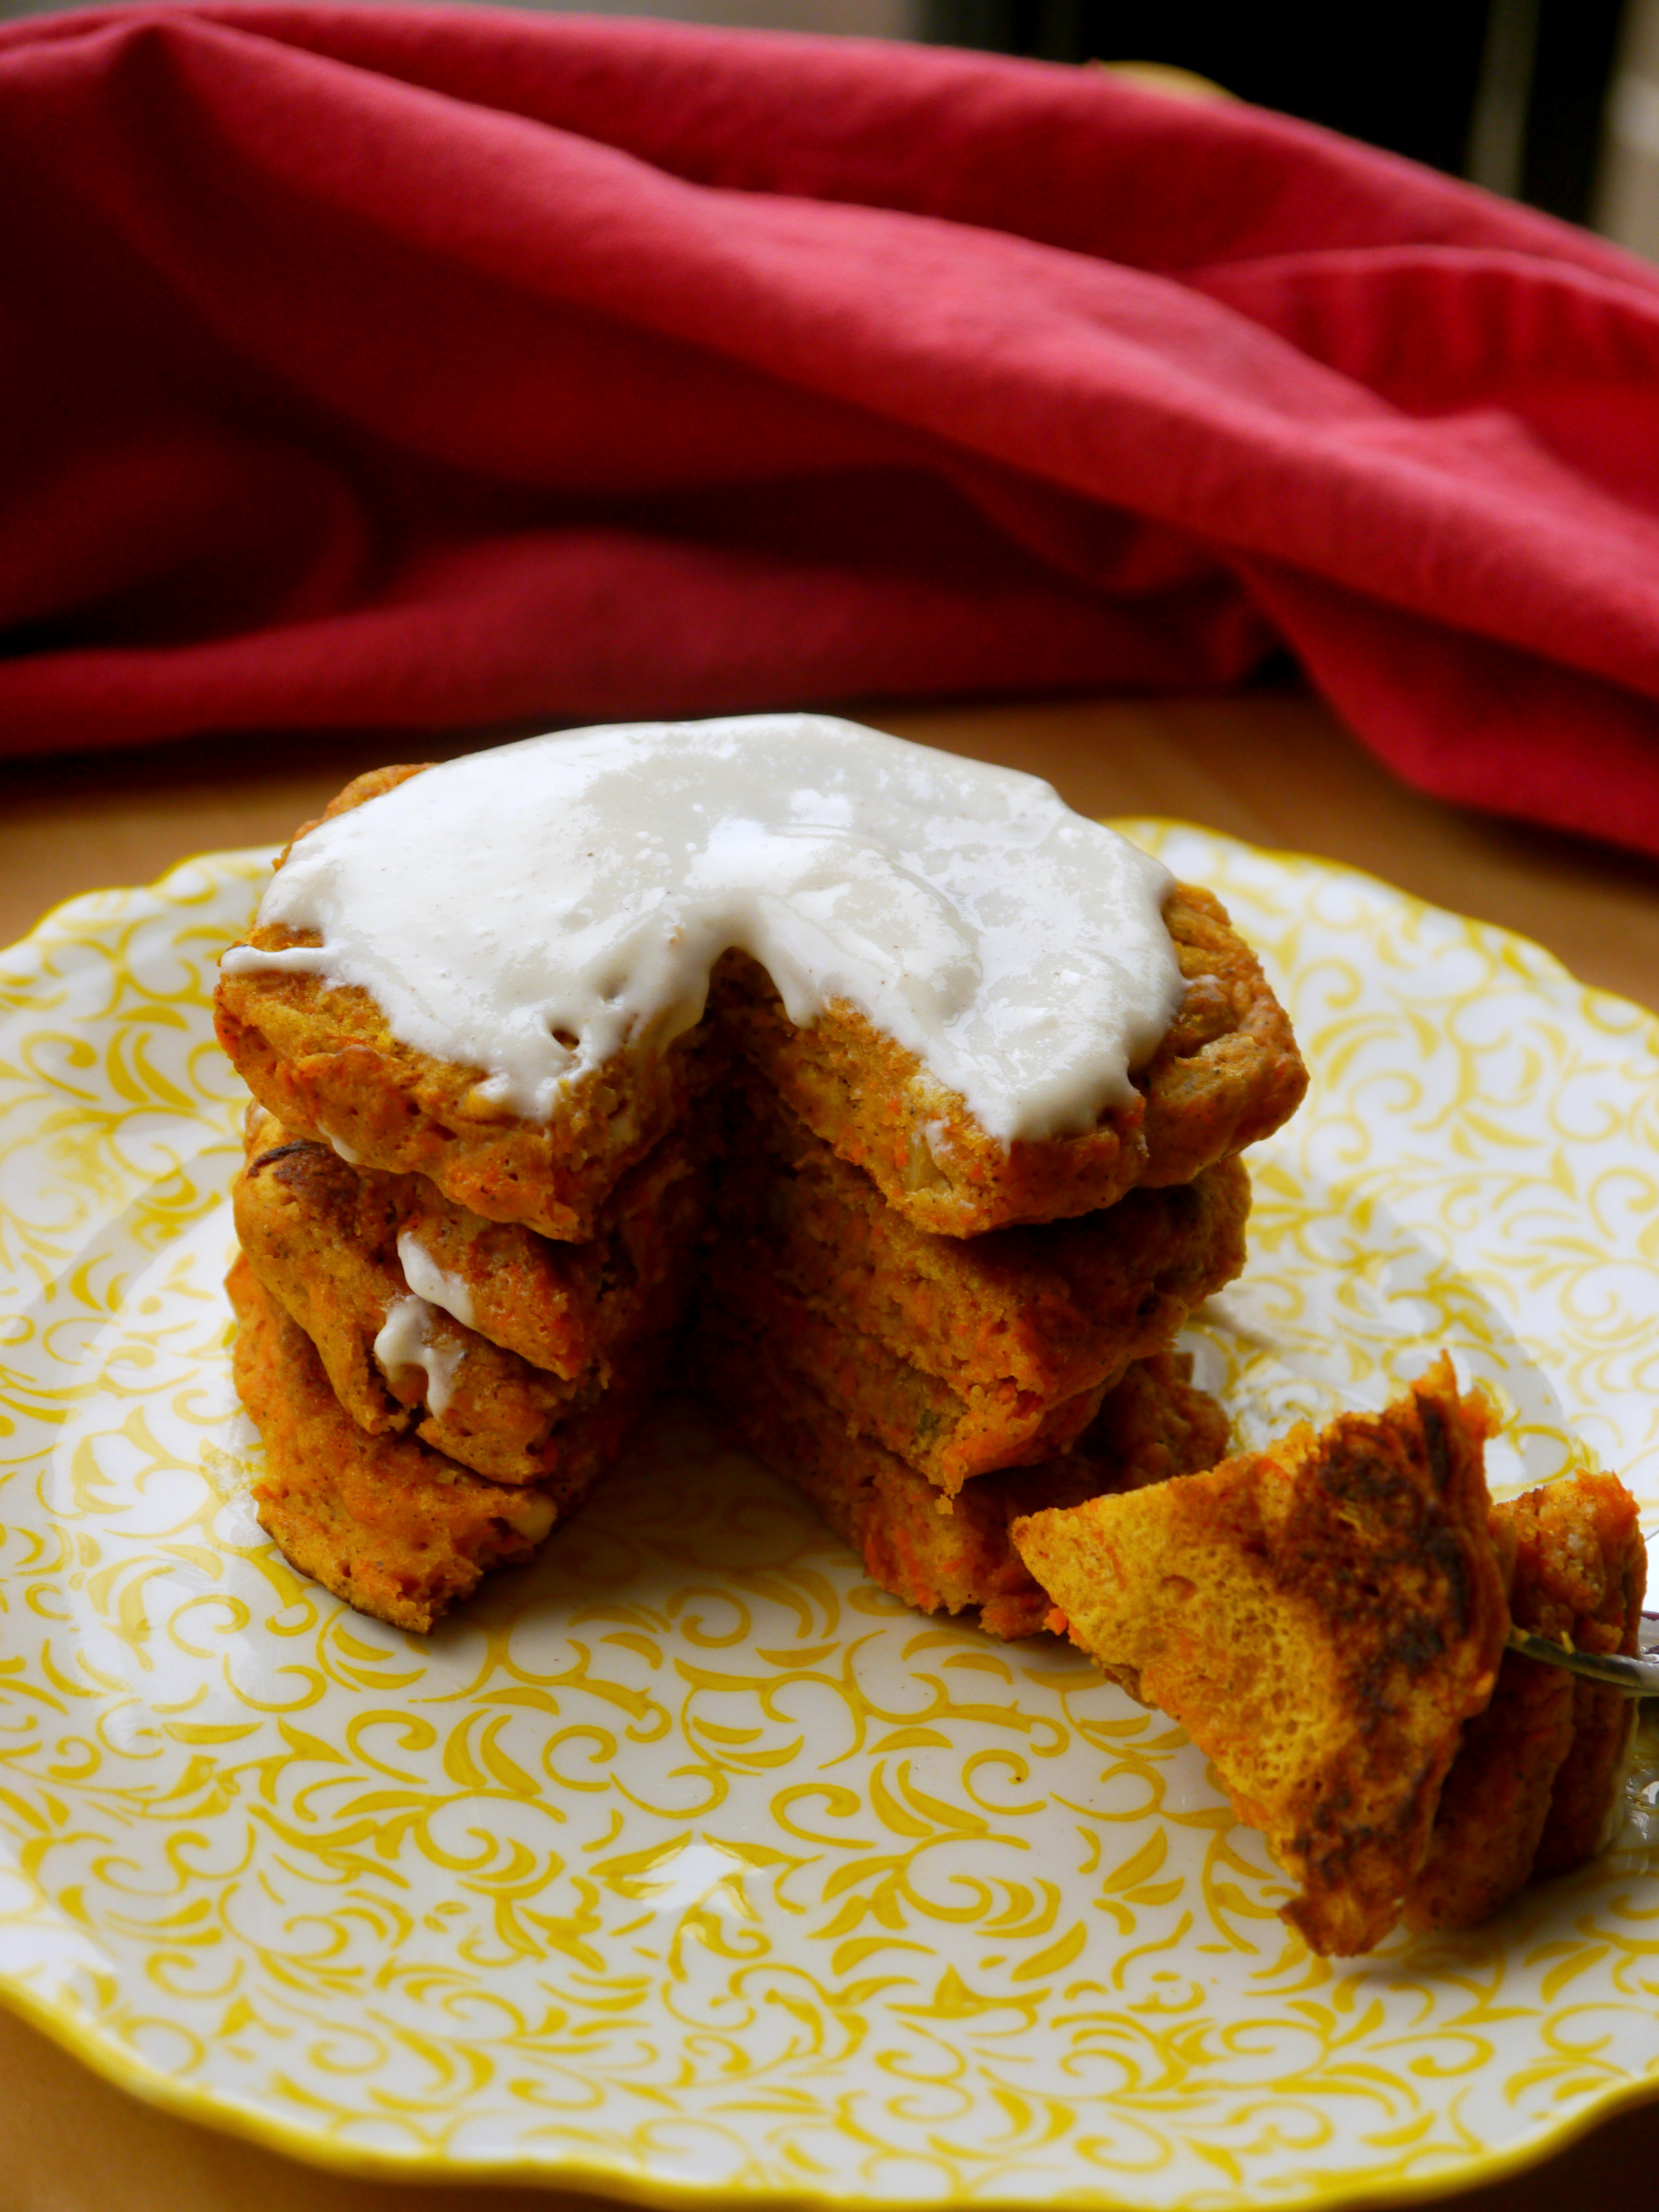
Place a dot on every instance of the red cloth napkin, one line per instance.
(404, 366)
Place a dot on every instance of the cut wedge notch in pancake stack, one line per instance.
(1326, 1618)
(923, 1389)
(1152, 1425)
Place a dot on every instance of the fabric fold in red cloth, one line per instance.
(449, 368)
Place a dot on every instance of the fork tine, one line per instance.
(1634, 1678)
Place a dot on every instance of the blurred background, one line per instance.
(1555, 103)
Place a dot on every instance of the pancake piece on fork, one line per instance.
(1322, 1618)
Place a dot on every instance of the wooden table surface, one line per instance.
(1273, 768)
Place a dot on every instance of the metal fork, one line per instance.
(1636, 1678)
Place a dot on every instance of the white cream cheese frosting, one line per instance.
(432, 1283)
(406, 1340)
(533, 911)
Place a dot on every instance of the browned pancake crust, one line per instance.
(561, 1307)
(387, 1525)
(1153, 1426)
(504, 1420)
(1579, 1571)
(322, 1059)
(1322, 1617)
(1026, 1313)
(1227, 1072)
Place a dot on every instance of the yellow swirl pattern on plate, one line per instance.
(684, 1861)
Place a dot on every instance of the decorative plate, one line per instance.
(684, 1862)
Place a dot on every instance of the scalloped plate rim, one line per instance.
(226, 2116)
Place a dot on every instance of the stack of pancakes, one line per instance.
(449, 1318)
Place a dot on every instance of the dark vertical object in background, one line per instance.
(1410, 77)
(1572, 65)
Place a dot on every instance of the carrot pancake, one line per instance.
(322, 1062)
(482, 1406)
(392, 1528)
(1152, 1425)
(1025, 1315)
(321, 1057)
(1322, 1618)
(561, 1306)
(1226, 1074)
(565, 1307)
